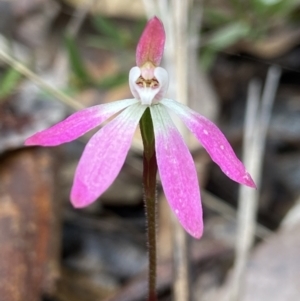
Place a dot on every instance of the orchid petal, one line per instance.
(213, 141)
(151, 44)
(134, 74)
(177, 172)
(162, 77)
(78, 124)
(104, 156)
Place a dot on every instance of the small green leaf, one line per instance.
(215, 17)
(228, 35)
(207, 58)
(107, 28)
(102, 43)
(8, 82)
(113, 81)
(270, 8)
(76, 62)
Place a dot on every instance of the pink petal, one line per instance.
(77, 124)
(104, 156)
(177, 172)
(151, 44)
(213, 141)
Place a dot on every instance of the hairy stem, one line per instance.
(149, 181)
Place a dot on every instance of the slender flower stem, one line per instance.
(149, 181)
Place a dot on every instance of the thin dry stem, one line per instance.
(181, 291)
(79, 17)
(180, 21)
(150, 8)
(62, 97)
(254, 146)
(247, 196)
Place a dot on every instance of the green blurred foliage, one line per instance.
(8, 82)
(113, 35)
(110, 36)
(79, 76)
(248, 20)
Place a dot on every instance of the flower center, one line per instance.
(148, 84)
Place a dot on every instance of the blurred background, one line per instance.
(243, 72)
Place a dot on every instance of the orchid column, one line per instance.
(164, 148)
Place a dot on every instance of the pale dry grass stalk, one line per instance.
(247, 196)
(79, 17)
(256, 125)
(150, 8)
(180, 10)
(59, 95)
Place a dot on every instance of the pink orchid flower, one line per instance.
(105, 153)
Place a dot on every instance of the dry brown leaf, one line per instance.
(274, 270)
(29, 237)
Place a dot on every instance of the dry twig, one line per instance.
(256, 126)
(79, 17)
(62, 97)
